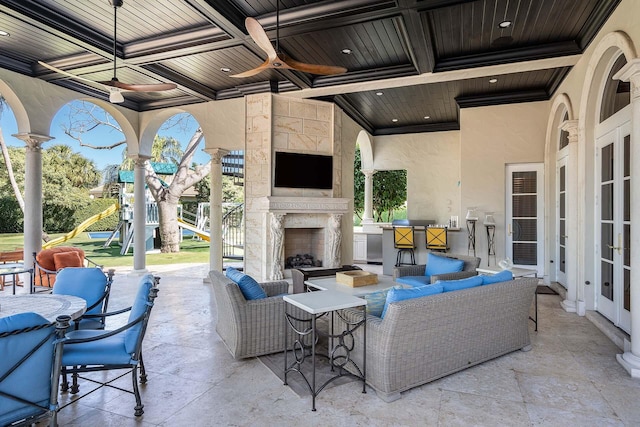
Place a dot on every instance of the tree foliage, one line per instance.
(389, 190)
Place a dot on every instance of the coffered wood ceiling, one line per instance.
(428, 57)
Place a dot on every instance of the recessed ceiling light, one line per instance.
(427, 117)
(225, 69)
(504, 24)
(346, 51)
(379, 93)
(494, 80)
(394, 120)
(3, 33)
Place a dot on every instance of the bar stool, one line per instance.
(404, 242)
(436, 238)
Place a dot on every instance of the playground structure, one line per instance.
(83, 226)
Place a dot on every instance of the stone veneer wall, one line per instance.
(275, 122)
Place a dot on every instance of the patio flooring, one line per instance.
(571, 377)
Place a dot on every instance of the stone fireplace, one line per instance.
(317, 220)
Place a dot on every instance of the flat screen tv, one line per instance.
(293, 170)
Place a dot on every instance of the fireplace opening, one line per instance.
(303, 247)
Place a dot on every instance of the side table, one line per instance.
(14, 269)
(318, 304)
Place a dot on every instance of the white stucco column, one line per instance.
(215, 210)
(367, 217)
(630, 360)
(139, 215)
(570, 304)
(32, 194)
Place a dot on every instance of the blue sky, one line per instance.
(102, 137)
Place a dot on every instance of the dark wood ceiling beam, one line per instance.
(176, 43)
(15, 65)
(557, 78)
(365, 76)
(351, 111)
(502, 98)
(426, 5)
(548, 50)
(416, 38)
(432, 127)
(185, 84)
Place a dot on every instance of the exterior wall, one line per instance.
(491, 138)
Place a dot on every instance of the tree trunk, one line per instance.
(169, 230)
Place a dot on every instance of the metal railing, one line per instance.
(233, 231)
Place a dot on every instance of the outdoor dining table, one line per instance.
(15, 268)
(48, 306)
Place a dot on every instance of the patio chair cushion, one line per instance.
(106, 351)
(456, 285)
(395, 295)
(503, 276)
(442, 265)
(45, 256)
(247, 284)
(138, 308)
(66, 259)
(414, 281)
(376, 301)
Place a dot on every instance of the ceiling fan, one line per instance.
(277, 59)
(115, 86)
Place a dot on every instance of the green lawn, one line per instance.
(191, 251)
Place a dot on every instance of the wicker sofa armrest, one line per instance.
(409, 270)
(275, 288)
(453, 276)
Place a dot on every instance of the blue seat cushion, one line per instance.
(86, 283)
(442, 265)
(456, 285)
(138, 308)
(247, 284)
(395, 295)
(503, 276)
(414, 281)
(106, 351)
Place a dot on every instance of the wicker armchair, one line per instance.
(469, 269)
(252, 328)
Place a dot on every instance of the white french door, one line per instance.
(613, 222)
(561, 222)
(525, 216)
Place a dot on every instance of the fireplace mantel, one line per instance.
(278, 204)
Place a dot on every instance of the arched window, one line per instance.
(564, 135)
(617, 94)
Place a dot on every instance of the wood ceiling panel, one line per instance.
(262, 7)
(472, 27)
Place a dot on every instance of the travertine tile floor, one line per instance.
(570, 378)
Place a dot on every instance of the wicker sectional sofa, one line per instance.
(423, 339)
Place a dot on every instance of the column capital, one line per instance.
(571, 127)
(216, 154)
(631, 73)
(368, 172)
(140, 160)
(32, 140)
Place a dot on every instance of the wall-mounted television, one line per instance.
(294, 170)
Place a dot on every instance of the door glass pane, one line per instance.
(562, 231)
(562, 259)
(524, 182)
(606, 209)
(607, 163)
(525, 205)
(525, 253)
(606, 277)
(562, 205)
(525, 230)
(606, 238)
(562, 178)
(627, 199)
(626, 249)
(627, 290)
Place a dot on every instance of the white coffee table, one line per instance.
(331, 284)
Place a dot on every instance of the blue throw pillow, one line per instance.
(503, 276)
(376, 301)
(247, 284)
(456, 285)
(414, 281)
(395, 295)
(442, 265)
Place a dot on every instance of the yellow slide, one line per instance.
(202, 234)
(83, 225)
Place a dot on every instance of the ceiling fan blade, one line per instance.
(325, 70)
(156, 87)
(264, 66)
(259, 36)
(73, 76)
